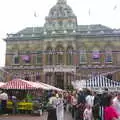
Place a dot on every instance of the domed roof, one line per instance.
(60, 18)
(61, 9)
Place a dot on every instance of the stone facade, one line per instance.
(62, 51)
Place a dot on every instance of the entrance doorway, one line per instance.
(59, 78)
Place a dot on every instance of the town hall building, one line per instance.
(62, 51)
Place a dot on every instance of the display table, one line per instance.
(21, 106)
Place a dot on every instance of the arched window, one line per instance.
(70, 56)
(108, 55)
(59, 55)
(95, 55)
(83, 56)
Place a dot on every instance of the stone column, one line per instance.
(65, 80)
(54, 59)
(64, 58)
(53, 82)
(44, 59)
(43, 77)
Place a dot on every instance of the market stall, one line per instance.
(20, 84)
(97, 83)
(23, 88)
(100, 82)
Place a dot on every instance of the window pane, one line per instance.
(39, 59)
(83, 57)
(16, 60)
(49, 61)
(108, 55)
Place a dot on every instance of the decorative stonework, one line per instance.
(53, 44)
(61, 18)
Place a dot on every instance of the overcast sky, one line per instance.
(18, 14)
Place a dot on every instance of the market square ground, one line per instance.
(29, 117)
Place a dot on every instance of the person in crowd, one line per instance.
(116, 103)
(74, 103)
(96, 109)
(87, 115)
(90, 99)
(65, 100)
(68, 107)
(52, 105)
(103, 103)
(14, 103)
(4, 98)
(80, 104)
(109, 112)
(60, 107)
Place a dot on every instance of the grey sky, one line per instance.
(18, 14)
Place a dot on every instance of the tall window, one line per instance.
(39, 57)
(95, 55)
(38, 77)
(49, 56)
(108, 55)
(59, 55)
(83, 56)
(70, 56)
(16, 59)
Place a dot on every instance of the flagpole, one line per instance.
(89, 13)
(34, 21)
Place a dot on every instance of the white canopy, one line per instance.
(96, 83)
(102, 82)
(2, 83)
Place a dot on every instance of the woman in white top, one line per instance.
(60, 108)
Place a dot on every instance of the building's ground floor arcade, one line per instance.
(59, 76)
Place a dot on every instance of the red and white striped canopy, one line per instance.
(18, 84)
(21, 84)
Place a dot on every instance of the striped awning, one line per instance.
(102, 82)
(21, 84)
(18, 84)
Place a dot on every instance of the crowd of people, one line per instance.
(82, 104)
(85, 105)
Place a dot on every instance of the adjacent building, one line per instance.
(62, 51)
